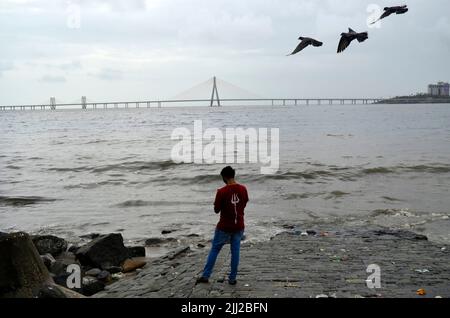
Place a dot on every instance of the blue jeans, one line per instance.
(220, 239)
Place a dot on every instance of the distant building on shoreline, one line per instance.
(439, 89)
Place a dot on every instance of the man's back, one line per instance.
(231, 201)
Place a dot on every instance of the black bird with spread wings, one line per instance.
(347, 38)
(305, 42)
(391, 10)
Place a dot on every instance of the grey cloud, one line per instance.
(160, 45)
(74, 65)
(53, 79)
(108, 74)
(5, 66)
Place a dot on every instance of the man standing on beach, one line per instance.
(230, 202)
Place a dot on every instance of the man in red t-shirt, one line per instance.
(230, 202)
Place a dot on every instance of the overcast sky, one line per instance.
(150, 49)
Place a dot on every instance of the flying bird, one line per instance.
(391, 10)
(305, 42)
(347, 38)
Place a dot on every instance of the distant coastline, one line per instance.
(416, 99)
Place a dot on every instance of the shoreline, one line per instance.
(314, 259)
(329, 262)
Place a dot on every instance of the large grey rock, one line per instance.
(61, 263)
(73, 248)
(92, 286)
(48, 260)
(104, 276)
(103, 252)
(136, 251)
(59, 268)
(22, 271)
(49, 244)
(93, 272)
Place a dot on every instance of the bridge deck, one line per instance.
(161, 103)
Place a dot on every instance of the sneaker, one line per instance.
(232, 282)
(202, 280)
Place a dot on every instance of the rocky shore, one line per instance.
(322, 261)
(47, 267)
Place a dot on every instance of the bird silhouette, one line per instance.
(347, 38)
(391, 10)
(305, 42)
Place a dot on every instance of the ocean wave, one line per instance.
(432, 168)
(23, 201)
(142, 203)
(387, 198)
(95, 185)
(324, 174)
(336, 195)
(377, 170)
(333, 172)
(98, 141)
(132, 166)
(12, 167)
(302, 196)
(393, 212)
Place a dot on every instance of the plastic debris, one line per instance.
(117, 276)
(322, 296)
(421, 292)
(422, 271)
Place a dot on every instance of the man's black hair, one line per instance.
(228, 173)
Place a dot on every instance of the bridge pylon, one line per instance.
(215, 92)
(83, 102)
(52, 103)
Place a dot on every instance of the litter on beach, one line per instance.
(421, 292)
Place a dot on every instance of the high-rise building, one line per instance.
(439, 89)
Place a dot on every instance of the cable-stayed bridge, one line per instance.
(213, 93)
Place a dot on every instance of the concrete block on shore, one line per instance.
(22, 271)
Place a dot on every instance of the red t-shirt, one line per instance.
(231, 201)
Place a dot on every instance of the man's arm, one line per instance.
(246, 199)
(218, 203)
